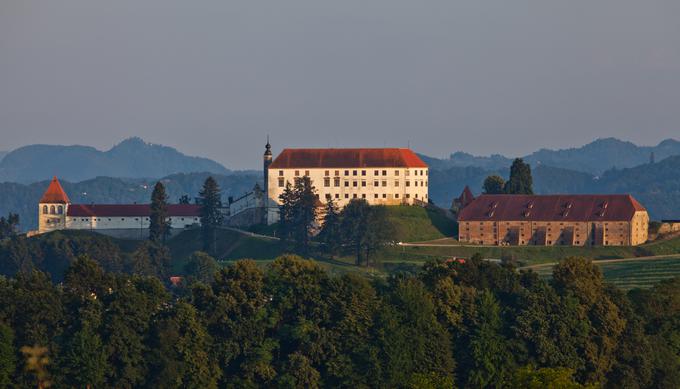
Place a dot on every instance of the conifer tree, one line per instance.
(210, 200)
(287, 201)
(304, 213)
(330, 234)
(520, 181)
(159, 226)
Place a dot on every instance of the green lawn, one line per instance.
(415, 224)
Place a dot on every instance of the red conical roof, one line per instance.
(55, 193)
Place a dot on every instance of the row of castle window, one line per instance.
(375, 196)
(336, 183)
(327, 173)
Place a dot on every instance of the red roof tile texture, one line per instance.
(573, 208)
(131, 210)
(347, 158)
(55, 193)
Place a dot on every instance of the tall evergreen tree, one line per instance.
(210, 200)
(304, 213)
(287, 201)
(330, 234)
(520, 181)
(159, 226)
(9, 226)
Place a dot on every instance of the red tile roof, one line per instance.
(122, 210)
(347, 158)
(55, 193)
(580, 208)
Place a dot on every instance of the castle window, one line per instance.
(281, 182)
(396, 195)
(408, 172)
(337, 195)
(281, 173)
(408, 183)
(297, 173)
(363, 172)
(416, 195)
(354, 172)
(60, 210)
(326, 182)
(355, 183)
(396, 172)
(408, 196)
(415, 183)
(337, 172)
(346, 183)
(375, 196)
(347, 172)
(384, 172)
(384, 195)
(363, 183)
(384, 183)
(328, 196)
(336, 182)
(45, 209)
(52, 210)
(346, 195)
(363, 196)
(327, 173)
(306, 172)
(376, 173)
(354, 196)
(396, 183)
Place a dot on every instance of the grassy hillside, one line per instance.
(417, 224)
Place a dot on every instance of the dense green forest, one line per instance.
(77, 310)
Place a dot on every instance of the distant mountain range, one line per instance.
(594, 158)
(132, 158)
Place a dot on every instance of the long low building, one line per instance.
(548, 220)
(56, 212)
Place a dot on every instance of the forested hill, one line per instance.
(23, 199)
(131, 158)
(594, 158)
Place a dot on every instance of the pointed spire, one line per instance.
(268, 147)
(55, 193)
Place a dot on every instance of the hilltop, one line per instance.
(132, 158)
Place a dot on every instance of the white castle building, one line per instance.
(381, 176)
(55, 212)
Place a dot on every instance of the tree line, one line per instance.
(291, 324)
(520, 181)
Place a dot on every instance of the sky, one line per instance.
(213, 78)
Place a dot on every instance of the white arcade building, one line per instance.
(55, 212)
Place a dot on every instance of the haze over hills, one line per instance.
(132, 158)
(594, 158)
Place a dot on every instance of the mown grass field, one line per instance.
(632, 274)
(416, 224)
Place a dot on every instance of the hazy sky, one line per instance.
(212, 78)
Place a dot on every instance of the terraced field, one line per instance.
(634, 273)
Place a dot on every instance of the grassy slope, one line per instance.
(416, 224)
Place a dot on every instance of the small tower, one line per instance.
(267, 161)
(52, 208)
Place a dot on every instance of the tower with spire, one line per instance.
(52, 208)
(267, 159)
